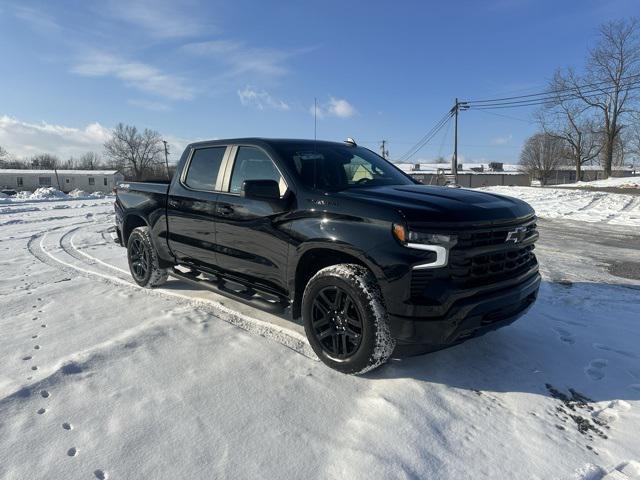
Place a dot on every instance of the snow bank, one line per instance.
(622, 182)
(43, 193)
(585, 206)
(78, 193)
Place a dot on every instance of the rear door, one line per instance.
(191, 206)
(252, 239)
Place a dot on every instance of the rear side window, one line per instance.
(253, 164)
(204, 167)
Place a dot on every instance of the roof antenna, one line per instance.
(315, 118)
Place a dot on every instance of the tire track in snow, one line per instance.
(51, 256)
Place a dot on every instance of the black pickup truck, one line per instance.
(372, 261)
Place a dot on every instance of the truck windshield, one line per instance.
(333, 167)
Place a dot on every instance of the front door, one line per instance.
(251, 235)
(191, 207)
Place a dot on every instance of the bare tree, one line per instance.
(134, 151)
(541, 154)
(4, 156)
(90, 161)
(567, 119)
(612, 72)
(45, 161)
(633, 138)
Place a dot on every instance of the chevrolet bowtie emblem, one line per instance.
(516, 235)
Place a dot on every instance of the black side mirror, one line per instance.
(261, 189)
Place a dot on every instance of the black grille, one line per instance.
(493, 236)
(480, 257)
(492, 267)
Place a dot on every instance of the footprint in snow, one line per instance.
(72, 452)
(67, 426)
(565, 336)
(45, 394)
(44, 325)
(595, 369)
(36, 347)
(34, 336)
(41, 411)
(101, 474)
(35, 367)
(28, 357)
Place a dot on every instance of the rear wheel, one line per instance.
(143, 259)
(345, 319)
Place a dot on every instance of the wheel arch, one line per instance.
(315, 259)
(131, 221)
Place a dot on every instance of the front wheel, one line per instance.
(345, 319)
(143, 259)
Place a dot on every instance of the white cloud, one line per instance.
(241, 58)
(38, 20)
(335, 107)
(23, 139)
(135, 74)
(260, 99)
(163, 19)
(502, 140)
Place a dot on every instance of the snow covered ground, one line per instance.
(102, 379)
(586, 206)
(623, 182)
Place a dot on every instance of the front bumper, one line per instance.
(472, 313)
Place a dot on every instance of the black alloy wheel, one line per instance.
(337, 322)
(139, 259)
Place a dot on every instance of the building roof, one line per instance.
(508, 168)
(17, 171)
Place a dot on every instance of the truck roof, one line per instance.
(261, 141)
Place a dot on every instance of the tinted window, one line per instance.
(253, 164)
(203, 169)
(330, 166)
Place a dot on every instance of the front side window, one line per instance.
(204, 167)
(253, 164)
(44, 181)
(92, 181)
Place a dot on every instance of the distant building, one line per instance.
(588, 173)
(471, 175)
(65, 180)
(474, 175)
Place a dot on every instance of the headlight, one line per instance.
(433, 242)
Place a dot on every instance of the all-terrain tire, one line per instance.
(143, 259)
(374, 344)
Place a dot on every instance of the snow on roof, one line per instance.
(508, 169)
(17, 171)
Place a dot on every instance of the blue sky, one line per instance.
(71, 70)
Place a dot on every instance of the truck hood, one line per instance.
(423, 204)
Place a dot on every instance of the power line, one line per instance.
(426, 137)
(501, 115)
(633, 78)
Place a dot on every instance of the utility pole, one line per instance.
(454, 161)
(166, 158)
(383, 151)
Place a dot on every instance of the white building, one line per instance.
(65, 180)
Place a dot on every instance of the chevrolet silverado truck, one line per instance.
(371, 261)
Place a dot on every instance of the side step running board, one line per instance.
(248, 296)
